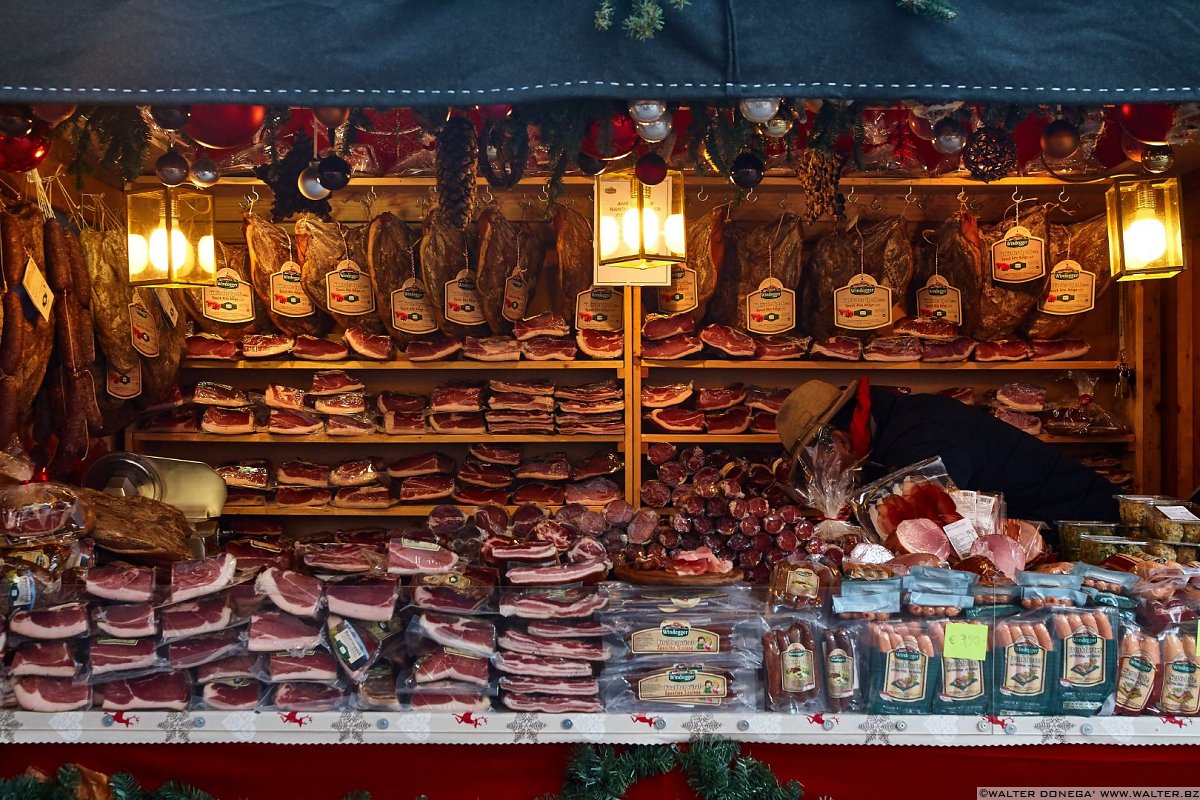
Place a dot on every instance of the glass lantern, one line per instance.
(1145, 237)
(640, 230)
(170, 237)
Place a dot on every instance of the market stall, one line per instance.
(546, 414)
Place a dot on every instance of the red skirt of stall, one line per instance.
(523, 772)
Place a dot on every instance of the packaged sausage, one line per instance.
(964, 683)
(1139, 673)
(1088, 661)
(880, 606)
(889, 586)
(1026, 663)
(931, 579)
(714, 684)
(683, 635)
(1049, 580)
(1036, 597)
(935, 604)
(1180, 695)
(801, 582)
(1105, 580)
(792, 665)
(843, 667)
(904, 668)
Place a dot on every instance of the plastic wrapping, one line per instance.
(359, 645)
(919, 491)
(303, 696)
(15, 465)
(1026, 661)
(108, 655)
(1034, 597)
(1084, 416)
(793, 662)
(447, 663)
(316, 665)
(717, 684)
(1180, 693)
(1139, 672)
(444, 696)
(683, 635)
(878, 606)
(1135, 508)
(1176, 523)
(1105, 580)
(1088, 659)
(472, 634)
(1070, 534)
(232, 694)
(904, 668)
(38, 511)
(801, 581)
(377, 692)
(937, 604)
(964, 684)
(196, 617)
(706, 600)
(46, 659)
(825, 478)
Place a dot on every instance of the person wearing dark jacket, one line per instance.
(980, 452)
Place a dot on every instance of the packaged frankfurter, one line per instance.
(1139, 672)
(931, 579)
(1025, 659)
(1034, 597)
(963, 683)
(1105, 580)
(1049, 580)
(844, 665)
(1088, 661)
(793, 680)
(905, 668)
(718, 684)
(880, 606)
(1180, 695)
(937, 604)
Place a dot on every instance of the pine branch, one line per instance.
(645, 20)
(604, 15)
(939, 10)
(125, 787)
(173, 790)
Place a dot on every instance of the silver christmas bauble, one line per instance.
(205, 172)
(1060, 139)
(171, 168)
(776, 127)
(759, 109)
(647, 110)
(310, 185)
(949, 136)
(654, 132)
(1158, 158)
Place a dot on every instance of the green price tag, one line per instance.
(964, 640)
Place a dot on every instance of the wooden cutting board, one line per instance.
(658, 577)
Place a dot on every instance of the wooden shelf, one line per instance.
(379, 438)
(1117, 438)
(399, 364)
(771, 438)
(333, 511)
(872, 366)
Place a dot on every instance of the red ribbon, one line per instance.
(860, 422)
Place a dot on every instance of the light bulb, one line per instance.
(206, 254)
(139, 256)
(610, 236)
(158, 249)
(1145, 239)
(650, 229)
(675, 235)
(629, 230)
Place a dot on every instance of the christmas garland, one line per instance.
(713, 766)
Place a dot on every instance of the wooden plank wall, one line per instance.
(1181, 350)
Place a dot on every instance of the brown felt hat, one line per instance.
(809, 407)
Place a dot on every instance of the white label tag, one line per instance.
(125, 386)
(288, 298)
(600, 308)
(771, 308)
(349, 646)
(1178, 514)
(37, 290)
(937, 299)
(143, 328)
(411, 310)
(862, 305)
(516, 297)
(22, 591)
(229, 300)
(961, 535)
(1072, 290)
(348, 290)
(1019, 257)
(463, 303)
(168, 306)
(682, 295)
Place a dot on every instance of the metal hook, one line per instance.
(876, 204)
(488, 197)
(850, 196)
(702, 195)
(248, 200)
(961, 197)
(1062, 195)
(1016, 198)
(544, 192)
(750, 197)
(908, 197)
(926, 234)
(783, 202)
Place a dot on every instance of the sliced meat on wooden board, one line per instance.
(230, 308)
(446, 259)
(276, 276)
(335, 272)
(510, 262)
(880, 249)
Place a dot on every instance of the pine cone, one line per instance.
(990, 153)
(457, 154)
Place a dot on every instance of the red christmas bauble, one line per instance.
(1107, 150)
(53, 113)
(651, 169)
(1028, 136)
(222, 126)
(1147, 122)
(23, 153)
(610, 139)
(681, 120)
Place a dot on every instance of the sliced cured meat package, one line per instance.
(661, 326)
(437, 347)
(209, 345)
(893, 348)
(293, 423)
(313, 348)
(840, 348)
(457, 396)
(781, 347)
(266, 345)
(549, 348)
(365, 344)
(672, 348)
(959, 349)
(665, 395)
(420, 464)
(1058, 349)
(717, 398)
(1003, 350)
(302, 473)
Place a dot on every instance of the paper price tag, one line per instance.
(37, 290)
(348, 290)
(230, 299)
(1072, 290)
(771, 308)
(125, 386)
(411, 310)
(937, 299)
(462, 301)
(1178, 513)
(962, 535)
(964, 640)
(288, 298)
(600, 308)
